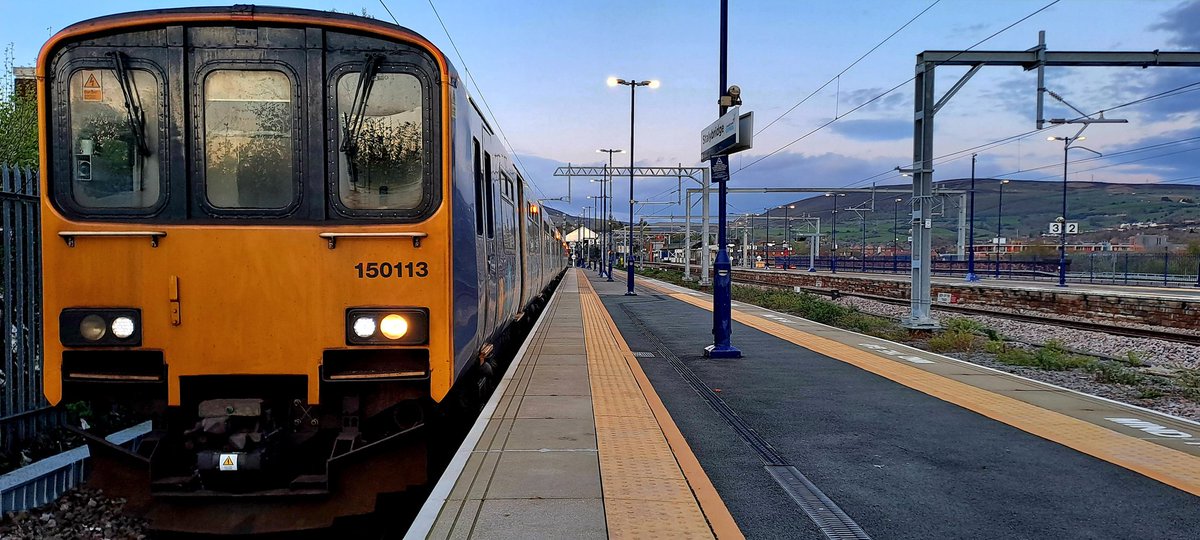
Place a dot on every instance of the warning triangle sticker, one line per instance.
(91, 82)
(228, 461)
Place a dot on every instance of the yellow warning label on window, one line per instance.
(229, 462)
(92, 87)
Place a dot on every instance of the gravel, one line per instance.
(1151, 351)
(84, 514)
(1161, 356)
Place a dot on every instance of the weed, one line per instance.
(960, 324)
(952, 341)
(1016, 356)
(1132, 358)
(1149, 392)
(1114, 373)
(1053, 356)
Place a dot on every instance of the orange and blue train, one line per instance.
(288, 237)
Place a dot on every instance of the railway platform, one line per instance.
(815, 433)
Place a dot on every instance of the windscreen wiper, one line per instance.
(357, 115)
(133, 102)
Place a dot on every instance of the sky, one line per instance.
(541, 65)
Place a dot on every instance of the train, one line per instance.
(290, 240)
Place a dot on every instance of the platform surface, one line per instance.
(909, 444)
(614, 424)
(572, 447)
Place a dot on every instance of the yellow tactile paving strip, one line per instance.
(646, 493)
(1166, 465)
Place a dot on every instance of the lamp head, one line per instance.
(613, 81)
(655, 83)
(1004, 181)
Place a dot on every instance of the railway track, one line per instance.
(1176, 337)
(966, 310)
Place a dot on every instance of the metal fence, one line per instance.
(1119, 268)
(23, 408)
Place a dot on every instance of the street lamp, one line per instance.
(608, 223)
(787, 233)
(833, 233)
(613, 81)
(971, 230)
(603, 200)
(1062, 232)
(999, 216)
(767, 242)
(895, 235)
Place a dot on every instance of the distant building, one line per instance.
(25, 81)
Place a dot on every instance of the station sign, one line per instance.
(732, 132)
(1056, 228)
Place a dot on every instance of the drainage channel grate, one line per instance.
(643, 354)
(824, 513)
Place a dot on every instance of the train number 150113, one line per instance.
(374, 270)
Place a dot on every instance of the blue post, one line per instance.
(1127, 268)
(723, 280)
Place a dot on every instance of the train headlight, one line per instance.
(393, 326)
(364, 327)
(387, 326)
(123, 327)
(91, 327)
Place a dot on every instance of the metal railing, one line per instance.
(23, 408)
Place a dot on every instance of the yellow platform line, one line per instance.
(1169, 466)
(652, 483)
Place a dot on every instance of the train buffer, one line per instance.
(611, 423)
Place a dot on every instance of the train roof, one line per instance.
(238, 12)
(241, 13)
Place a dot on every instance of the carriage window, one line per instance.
(381, 159)
(248, 139)
(115, 138)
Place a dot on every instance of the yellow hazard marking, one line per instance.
(1167, 465)
(653, 485)
(92, 90)
(228, 461)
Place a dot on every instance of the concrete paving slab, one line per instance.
(552, 433)
(520, 519)
(556, 407)
(547, 475)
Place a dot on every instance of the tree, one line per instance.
(18, 120)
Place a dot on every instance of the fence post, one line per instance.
(1092, 267)
(1166, 265)
(1127, 268)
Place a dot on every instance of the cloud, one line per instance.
(1184, 22)
(873, 130)
(894, 101)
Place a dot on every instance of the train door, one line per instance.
(522, 240)
(495, 252)
(481, 229)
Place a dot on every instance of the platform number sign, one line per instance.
(1056, 228)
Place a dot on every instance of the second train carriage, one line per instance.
(287, 235)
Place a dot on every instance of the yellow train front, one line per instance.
(286, 236)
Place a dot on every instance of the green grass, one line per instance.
(1114, 373)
